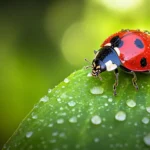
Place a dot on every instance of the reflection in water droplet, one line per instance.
(29, 134)
(120, 116)
(131, 103)
(96, 120)
(97, 90)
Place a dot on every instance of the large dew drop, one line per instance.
(131, 103)
(96, 120)
(120, 116)
(147, 139)
(97, 90)
(29, 134)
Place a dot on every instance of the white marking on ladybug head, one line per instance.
(117, 50)
(108, 44)
(110, 66)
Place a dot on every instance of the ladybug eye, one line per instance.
(138, 43)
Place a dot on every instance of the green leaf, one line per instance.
(82, 113)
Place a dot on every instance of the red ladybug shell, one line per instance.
(134, 50)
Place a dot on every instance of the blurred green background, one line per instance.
(42, 42)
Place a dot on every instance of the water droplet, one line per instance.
(53, 141)
(54, 133)
(110, 135)
(96, 120)
(50, 125)
(135, 124)
(73, 119)
(49, 90)
(148, 109)
(145, 120)
(89, 74)
(29, 134)
(110, 99)
(131, 103)
(34, 117)
(66, 80)
(58, 99)
(77, 146)
(147, 139)
(62, 135)
(60, 121)
(97, 90)
(120, 116)
(106, 104)
(104, 96)
(63, 95)
(61, 108)
(96, 140)
(71, 103)
(44, 99)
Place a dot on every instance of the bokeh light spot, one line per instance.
(120, 5)
(75, 44)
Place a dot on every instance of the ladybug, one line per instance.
(126, 49)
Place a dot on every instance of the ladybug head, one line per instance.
(106, 59)
(97, 67)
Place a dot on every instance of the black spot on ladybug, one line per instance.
(116, 41)
(138, 43)
(143, 62)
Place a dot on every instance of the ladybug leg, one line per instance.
(116, 81)
(134, 79)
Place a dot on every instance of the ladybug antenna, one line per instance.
(87, 61)
(90, 66)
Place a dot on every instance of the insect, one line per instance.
(126, 49)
